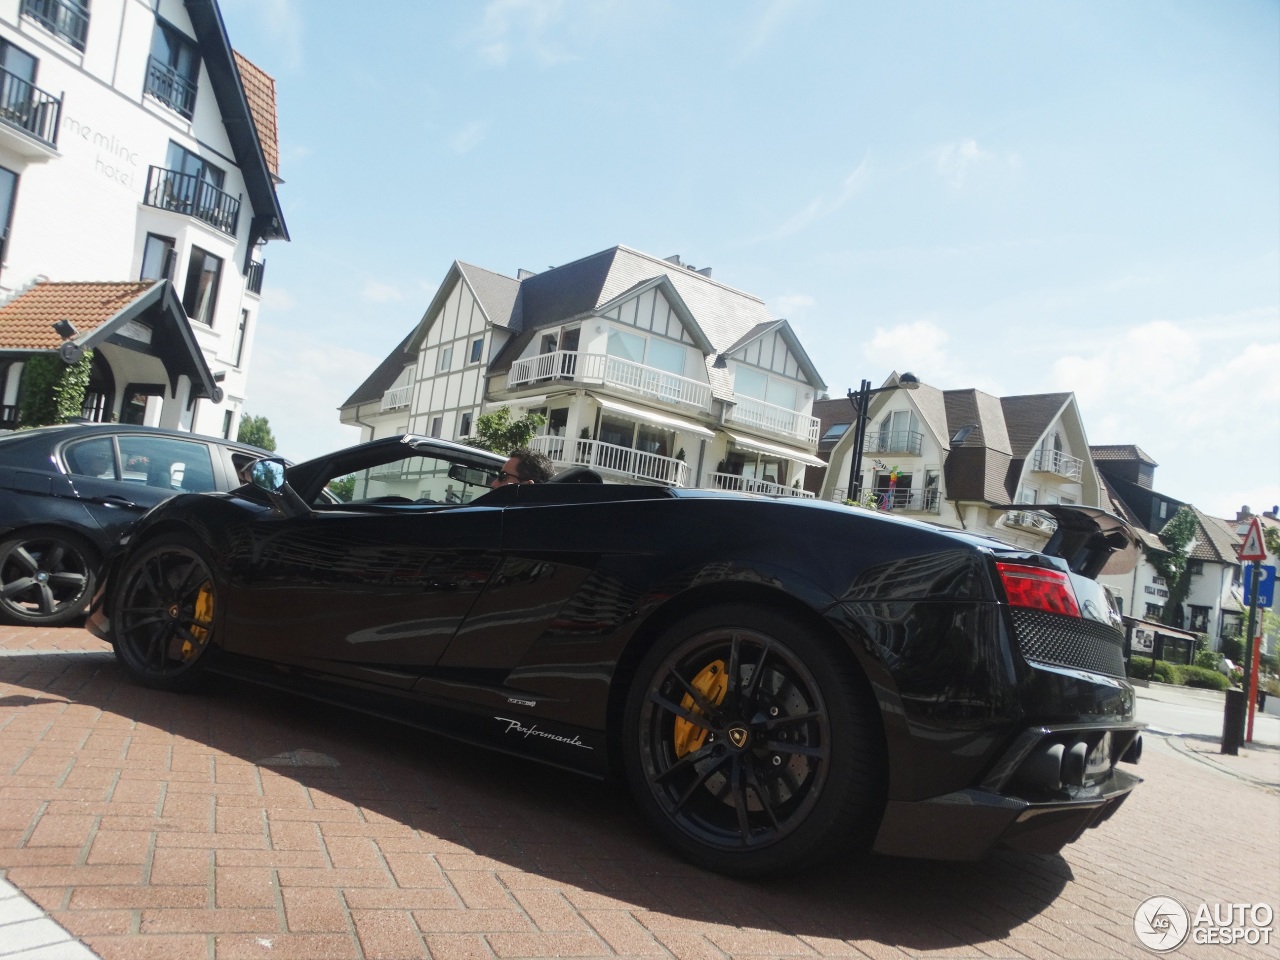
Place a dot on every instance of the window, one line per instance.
(665, 355)
(183, 161)
(1199, 619)
(437, 424)
(8, 190)
(557, 422)
(173, 69)
(836, 431)
(192, 186)
(94, 458)
(750, 383)
(627, 346)
(464, 425)
(1154, 610)
(68, 19)
(166, 463)
(900, 433)
(158, 258)
(238, 352)
(228, 419)
(133, 406)
(446, 358)
(477, 350)
(1195, 566)
(1027, 495)
(200, 298)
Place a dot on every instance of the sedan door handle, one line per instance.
(113, 502)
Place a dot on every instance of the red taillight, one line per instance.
(1038, 588)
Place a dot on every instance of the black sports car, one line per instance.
(68, 493)
(778, 681)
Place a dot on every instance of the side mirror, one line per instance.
(268, 476)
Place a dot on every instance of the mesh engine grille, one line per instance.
(1069, 641)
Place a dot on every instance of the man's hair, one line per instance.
(532, 465)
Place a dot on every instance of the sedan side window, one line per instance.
(92, 458)
(177, 465)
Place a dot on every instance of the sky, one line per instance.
(1019, 197)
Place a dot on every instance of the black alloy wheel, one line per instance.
(162, 621)
(46, 578)
(749, 744)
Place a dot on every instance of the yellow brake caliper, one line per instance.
(712, 682)
(203, 613)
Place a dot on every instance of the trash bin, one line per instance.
(1262, 699)
(1233, 722)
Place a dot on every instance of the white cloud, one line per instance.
(376, 292)
(790, 304)
(957, 162)
(508, 25)
(918, 346)
(469, 137)
(823, 205)
(766, 26)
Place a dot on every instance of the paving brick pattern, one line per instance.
(242, 823)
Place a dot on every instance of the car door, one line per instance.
(372, 589)
(119, 477)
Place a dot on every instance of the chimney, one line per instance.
(673, 259)
(523, 274)
(705, 271)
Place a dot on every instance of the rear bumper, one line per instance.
(1005, 810)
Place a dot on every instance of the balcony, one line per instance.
(68, 19)
(253, 279)
(1057, 463)
(612, 460)
(170, 87)
(194, 196)
(906, 442)
(395, 398)
(909, 501)
(1027, 520)
(767, 416)
(730, 481)
(625, 375)
(32, 111)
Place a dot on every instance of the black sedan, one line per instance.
(68, 493)
(778, 681)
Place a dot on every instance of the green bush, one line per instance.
(1233, 649)
(1166, 672)
(1208, 659)
(1200, 677)
(1140, 668)
(1144, 668)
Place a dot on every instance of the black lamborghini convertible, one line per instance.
(778, 681)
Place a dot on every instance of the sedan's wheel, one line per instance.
(750, 746)
(46, 578)
(163, 618)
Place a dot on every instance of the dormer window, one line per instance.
(173, 69)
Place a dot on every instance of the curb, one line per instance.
(1177, 743)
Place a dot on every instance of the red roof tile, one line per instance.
(260, 92)
(26, 322)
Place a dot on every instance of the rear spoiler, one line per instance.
(1092, 541)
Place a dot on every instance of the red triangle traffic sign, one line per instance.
(1253, 548)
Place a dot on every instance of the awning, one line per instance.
(650, 416)
(787, 453)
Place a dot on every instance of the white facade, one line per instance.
(631, 387)
(83, 209)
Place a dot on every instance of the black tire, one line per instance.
(47, 577)
(783, 771)
(164, 614)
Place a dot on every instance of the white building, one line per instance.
(952, 456)
(134, 146)
(646, 370)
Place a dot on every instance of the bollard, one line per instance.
(1232, 722)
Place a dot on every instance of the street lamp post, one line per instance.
(860, 400)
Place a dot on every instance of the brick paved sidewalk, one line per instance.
(239, 822)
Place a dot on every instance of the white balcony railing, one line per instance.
(894, 441)
(626, 375)
(1029, 521)
(396, 397)
(769, 416)
(730, 481)
(1058, 463)
(610, 458)
(909, 501)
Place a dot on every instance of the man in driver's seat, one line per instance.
(524, 466)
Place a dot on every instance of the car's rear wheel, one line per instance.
(750, 745)
(46, 578)
(162, 620)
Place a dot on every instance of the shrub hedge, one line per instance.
(1143, 668)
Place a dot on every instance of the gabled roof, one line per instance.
(260, 92)
(1216, 540)
(380, 381)
(237, 117)
(673, 298)
(1028, 417)
(783, 329)
(498, 295)
(101, 313)
(1121, 451)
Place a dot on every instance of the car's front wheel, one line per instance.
(163, 616)
(46, 578)
(749, 744)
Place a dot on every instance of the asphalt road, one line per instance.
(1189, 711)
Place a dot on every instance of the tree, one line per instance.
(256, 431)
(52, 391)
(1172, 566)
(496, 430)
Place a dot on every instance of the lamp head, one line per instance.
(909, 381)
(65, 329)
